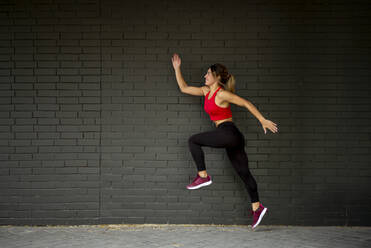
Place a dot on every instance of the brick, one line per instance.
(90, 103)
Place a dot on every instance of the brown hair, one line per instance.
(226, 80)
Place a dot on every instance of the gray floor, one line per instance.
(183, 236)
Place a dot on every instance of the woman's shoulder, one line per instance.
(224, 94)
(205, 89)
(221, 91)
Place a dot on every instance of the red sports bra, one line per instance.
(216, 113)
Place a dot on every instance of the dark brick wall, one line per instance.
(93, 128)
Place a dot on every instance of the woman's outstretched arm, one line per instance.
(235, 99)
(183, 86)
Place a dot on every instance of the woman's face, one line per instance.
(209, 78)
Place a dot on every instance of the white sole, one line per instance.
(201, 185)
(260, 218)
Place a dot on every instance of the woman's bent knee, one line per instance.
(192, 140)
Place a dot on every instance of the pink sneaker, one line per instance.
(199, 182)
(258, 215)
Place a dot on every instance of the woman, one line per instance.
(219, 94)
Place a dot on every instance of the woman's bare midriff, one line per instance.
(221, 121)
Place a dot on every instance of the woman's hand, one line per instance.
(176, 61)
(270, 125)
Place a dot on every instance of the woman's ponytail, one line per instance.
(230, 84)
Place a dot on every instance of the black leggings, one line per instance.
(226, 136)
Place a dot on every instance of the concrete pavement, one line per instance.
(171, 236)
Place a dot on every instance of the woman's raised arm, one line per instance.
(184, 88)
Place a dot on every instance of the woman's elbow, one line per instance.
(183, 89)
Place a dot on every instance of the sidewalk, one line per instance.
(193, 236)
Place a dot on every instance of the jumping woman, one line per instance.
(219, 94)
